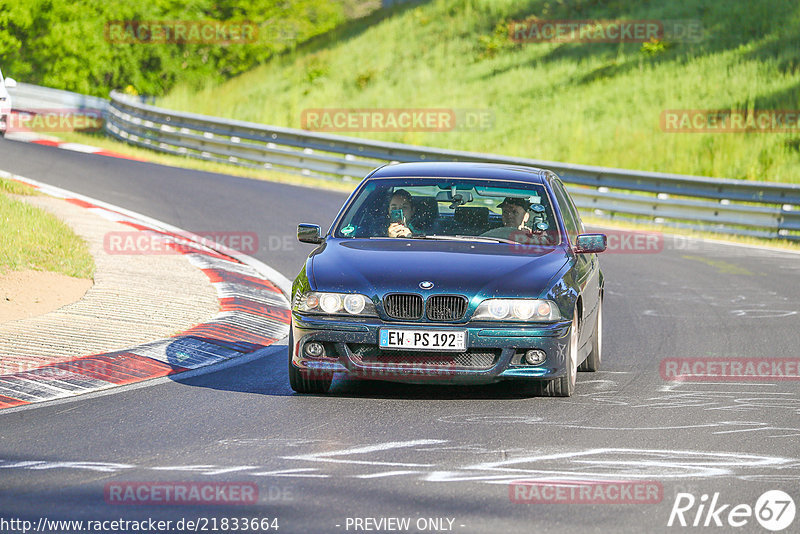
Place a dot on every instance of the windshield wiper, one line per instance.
(484, 239)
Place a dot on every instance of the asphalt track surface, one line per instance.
(379, 450)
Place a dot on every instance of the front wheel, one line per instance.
(301, 382)
(593, 360)
(565, 386)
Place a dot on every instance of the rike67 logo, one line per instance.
(774, 510)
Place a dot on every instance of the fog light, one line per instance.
(534, 356)
(314, 349)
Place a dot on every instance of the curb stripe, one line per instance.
(29, 136)
(115, 368)
(81, 203)
(8, 402)
(216, 275)
(186, 249)
(279, 314)
(229, 290)
(44, 142)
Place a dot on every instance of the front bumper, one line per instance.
(344, 338)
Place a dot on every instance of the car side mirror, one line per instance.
(590, 243)
(11, 83)
(309, 233)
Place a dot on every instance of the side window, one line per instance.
(575, 212)
(572, 220)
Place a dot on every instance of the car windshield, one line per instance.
(451, 209)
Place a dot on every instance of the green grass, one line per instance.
(16, 188)
(597, 104)
(34, 239)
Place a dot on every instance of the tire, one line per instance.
(300, 381)
(564, 386)
(593, 360)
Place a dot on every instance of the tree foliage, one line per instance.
(64, 43)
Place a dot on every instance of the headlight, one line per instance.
(517, 310)
(330, 302)
(334, 304)
(354, 304)
(498, 309)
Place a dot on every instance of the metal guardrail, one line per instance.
(763, 209)
(29, 97)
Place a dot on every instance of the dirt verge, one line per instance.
(25, 294)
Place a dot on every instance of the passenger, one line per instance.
(401, 200)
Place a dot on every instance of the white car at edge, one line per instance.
(5, 102)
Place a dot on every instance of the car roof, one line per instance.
(460, 169)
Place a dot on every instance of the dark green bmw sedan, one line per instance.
(458, 273)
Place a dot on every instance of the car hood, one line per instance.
(378, 266)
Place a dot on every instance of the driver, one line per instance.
(515, 215)
(401, 200)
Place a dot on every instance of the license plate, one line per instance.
(455, 340)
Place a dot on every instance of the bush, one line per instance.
(64, 43)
